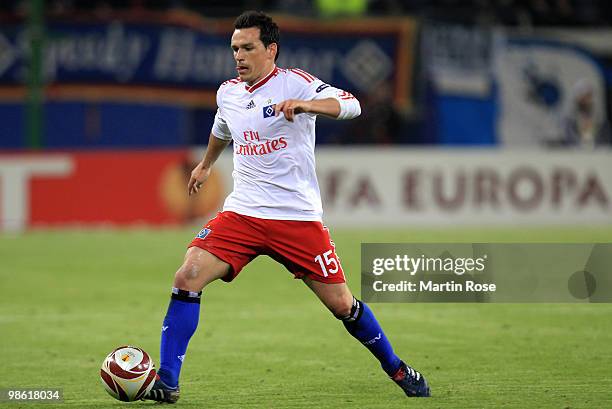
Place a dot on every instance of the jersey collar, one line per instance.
(262, 81)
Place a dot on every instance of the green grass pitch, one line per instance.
(70, 297)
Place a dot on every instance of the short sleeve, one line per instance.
(310, 87)
(220, 128)
(327, 91)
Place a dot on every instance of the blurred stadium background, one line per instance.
(475, 112)
(483, 120)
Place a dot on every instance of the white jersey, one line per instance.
(274, 163)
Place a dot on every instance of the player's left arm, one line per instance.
(291, 107)
(320, 99)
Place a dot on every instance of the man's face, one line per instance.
(253, 59)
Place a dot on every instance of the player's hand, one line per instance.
(199, 174)
(291, 107)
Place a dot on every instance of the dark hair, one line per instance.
(268, 30)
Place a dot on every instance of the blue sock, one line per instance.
(362, 325)
(179, 325)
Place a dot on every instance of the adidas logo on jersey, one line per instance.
(250, 105)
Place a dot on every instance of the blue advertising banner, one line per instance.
(494, 87)
(193, 54)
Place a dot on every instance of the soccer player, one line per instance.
(275, 208)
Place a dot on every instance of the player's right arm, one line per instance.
(220, 137)
(202, 171)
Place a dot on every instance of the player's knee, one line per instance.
(342, 307)
(351, 313)
(198, 270)
(188, 273)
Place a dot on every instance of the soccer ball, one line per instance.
(128, 373)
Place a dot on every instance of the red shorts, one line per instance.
(305, 248)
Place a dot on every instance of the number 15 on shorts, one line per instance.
(328, 262)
